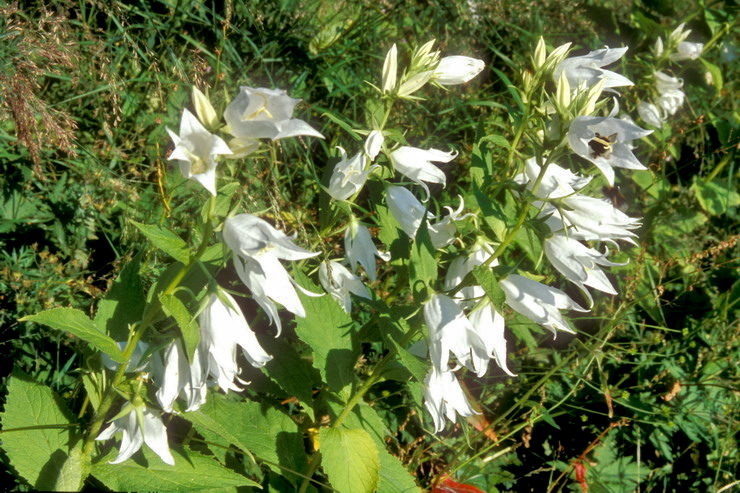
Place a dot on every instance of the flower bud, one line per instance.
(540, 53)
(390, 68)
(453, 70)
(204, 110)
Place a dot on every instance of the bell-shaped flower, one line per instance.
(360, 249)
(671, 97)
(457, 69)
(259, 113)
(459, 268)
(585, 71)
(223, 330)
(177, 376)
(195, 151)
(373, 144)
(687, 50)
(588, 218)
(650, 114)
(258, 248)
(444, 397)
(139, 425)
(416, 164)
(557, 183)
(579, 264)
(409, 212)
(339, 282)
(538, 302)
(605, 141)
(451, 331)
(348, 176)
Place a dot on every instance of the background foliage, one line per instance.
(648, 391)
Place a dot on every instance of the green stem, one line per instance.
(147, 320)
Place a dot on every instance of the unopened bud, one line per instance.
(390, 68)
(540, 53)
(203, 108)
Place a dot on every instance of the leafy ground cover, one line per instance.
(644, 397)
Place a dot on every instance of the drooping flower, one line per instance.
(585, 71)
(196, 150)
(258, 248)
(416, 164)
(409, 213)
(138, 361)
(687, 50)
(360, 249)
(579, 264)
(557, 183)
(177, 376)
(650, 114)
(453, 70)
(605, 141)
(339, 282)
(349, 176)
(538, 302)
(224, 329)
(140, 425)
(373, 144)
(443, 397)
(588, 218)
(451, 331)
(671, 96)
(259, 113)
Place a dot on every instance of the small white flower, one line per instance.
(538, 302)
(658, 48)
(687, 51)
(558, 182)
(650, 114)
(416, 164)
(579, 264)
(348, 176)
(178, 376)
(409, 213)
(605, 141)
(458, 69)
(373, 144)
(451, 331)
(339, 282)
(196, 150)
(588, 218)
(585, 71)
(671, 101)
(664, 82)
(223, 329)
(140, 425)
(443, 397)
(679, 34)
(359, 248)
(258, 248)
(259, 113)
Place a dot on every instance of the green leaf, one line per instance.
(74, 471)
(76, 322)
(292, 373)
(715, 197)
(254, 428)
(165, 240)
(350, 459)
(191, 472)
(486, 279)
(123, 303)
(422, 265)
(173, 307)
(39, 455)
(656, 186)
(327, 329)
(716, 74)
(416, 366)
(493, 214)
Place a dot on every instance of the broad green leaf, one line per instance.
(350, 459)
(165, 240)
(292, 373)
(191, 472)
(38, 455)
(490, 285)
(254, 428)
(74, 471)
(76, 323)
(715, 197)
(493, 214)
(173, 307)
(416, 366)
(656, 186)
(123, 303)
(422, 265)
(327, 329)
